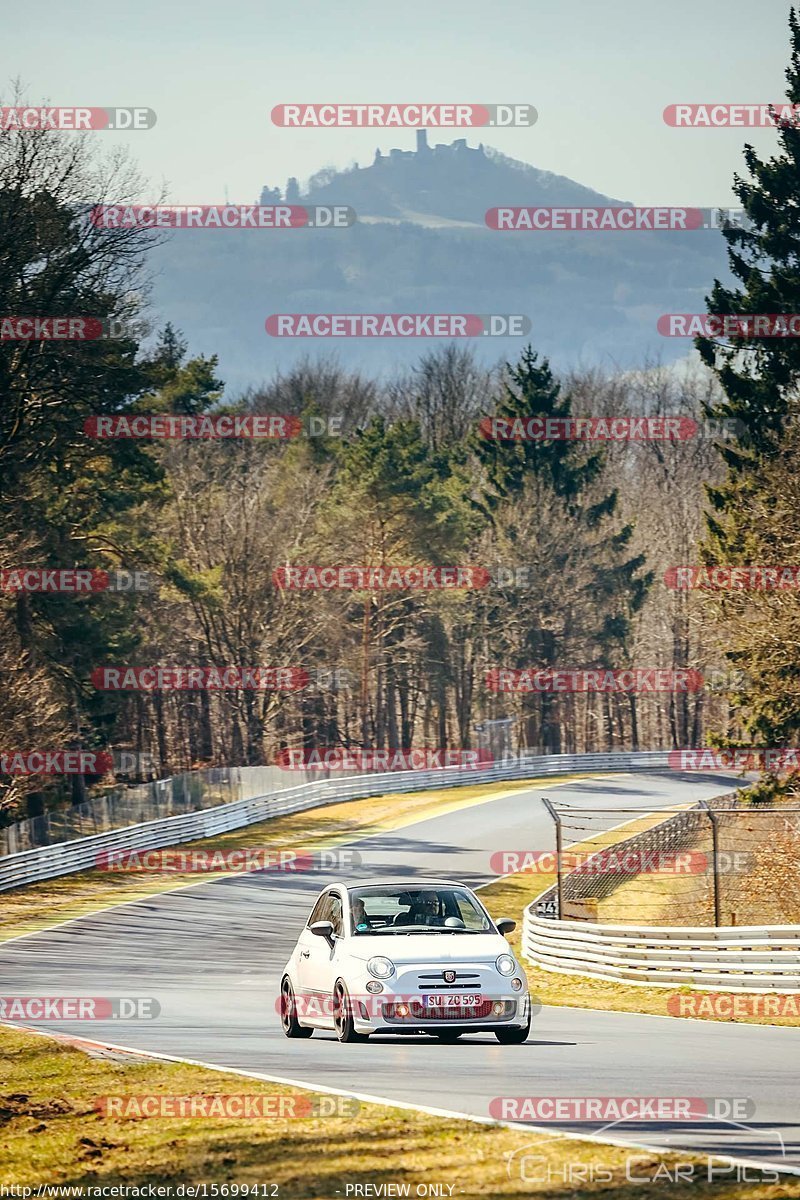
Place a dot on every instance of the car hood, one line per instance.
(405, 949)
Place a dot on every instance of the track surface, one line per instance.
(212, 956)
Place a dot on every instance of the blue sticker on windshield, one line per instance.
(363, 925)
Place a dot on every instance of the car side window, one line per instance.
(320, 910)
(335, 914)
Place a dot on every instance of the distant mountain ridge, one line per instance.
(420, 244)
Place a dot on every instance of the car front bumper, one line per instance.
(394, 1012)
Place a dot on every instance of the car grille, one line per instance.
(465, 981)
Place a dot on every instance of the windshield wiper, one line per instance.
(408, 929)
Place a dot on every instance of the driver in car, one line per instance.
(425, 909)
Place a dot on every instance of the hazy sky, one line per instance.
(599, 74)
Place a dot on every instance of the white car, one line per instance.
(401, 957)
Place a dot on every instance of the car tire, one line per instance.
(289, 1022)
(343, 1016)
(513, 1037)
(447, 1035)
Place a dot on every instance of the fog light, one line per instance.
(498, 1008)
(402, 1010)
(515, 983)
(374, 986)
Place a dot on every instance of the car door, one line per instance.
(307, 947)
(324, 962)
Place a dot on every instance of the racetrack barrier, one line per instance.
(80, 854)
(724, 958)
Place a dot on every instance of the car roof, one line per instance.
(407, 884)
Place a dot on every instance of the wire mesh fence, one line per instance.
(718, 862)
(122, 806)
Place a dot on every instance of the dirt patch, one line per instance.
(20, 1104)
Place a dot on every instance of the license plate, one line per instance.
(472, 1000)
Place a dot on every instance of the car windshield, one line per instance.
(398, 910)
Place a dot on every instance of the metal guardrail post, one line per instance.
(715, 857)
(559, 868)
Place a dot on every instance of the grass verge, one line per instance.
(52, 1132)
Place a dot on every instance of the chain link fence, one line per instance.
(718, 862)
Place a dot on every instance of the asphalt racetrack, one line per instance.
(212, 956)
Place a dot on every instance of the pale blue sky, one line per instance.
(599, 74)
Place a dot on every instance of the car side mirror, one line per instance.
(323, 929)
(506, 925)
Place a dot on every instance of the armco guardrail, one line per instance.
(47, 862)
(750, 958)
(136, 804)
(732, 958)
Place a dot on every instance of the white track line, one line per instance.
(447, 1113)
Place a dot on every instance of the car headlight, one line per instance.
(381, 968)
(506, 965)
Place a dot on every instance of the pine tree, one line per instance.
(530, 391)
(548, 498)
(759, 376)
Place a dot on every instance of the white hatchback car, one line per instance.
(400, 957)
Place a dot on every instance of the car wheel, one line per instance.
(289, 1022)
(447, 1035)
(343, 1016)
(513, 1037)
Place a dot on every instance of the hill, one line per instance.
(420, 244)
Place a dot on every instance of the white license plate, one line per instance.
(472, 1000)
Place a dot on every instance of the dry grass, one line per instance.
(759, 883)
(52, 1132)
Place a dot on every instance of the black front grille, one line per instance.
(464, 981)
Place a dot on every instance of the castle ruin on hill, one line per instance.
(422, 152)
